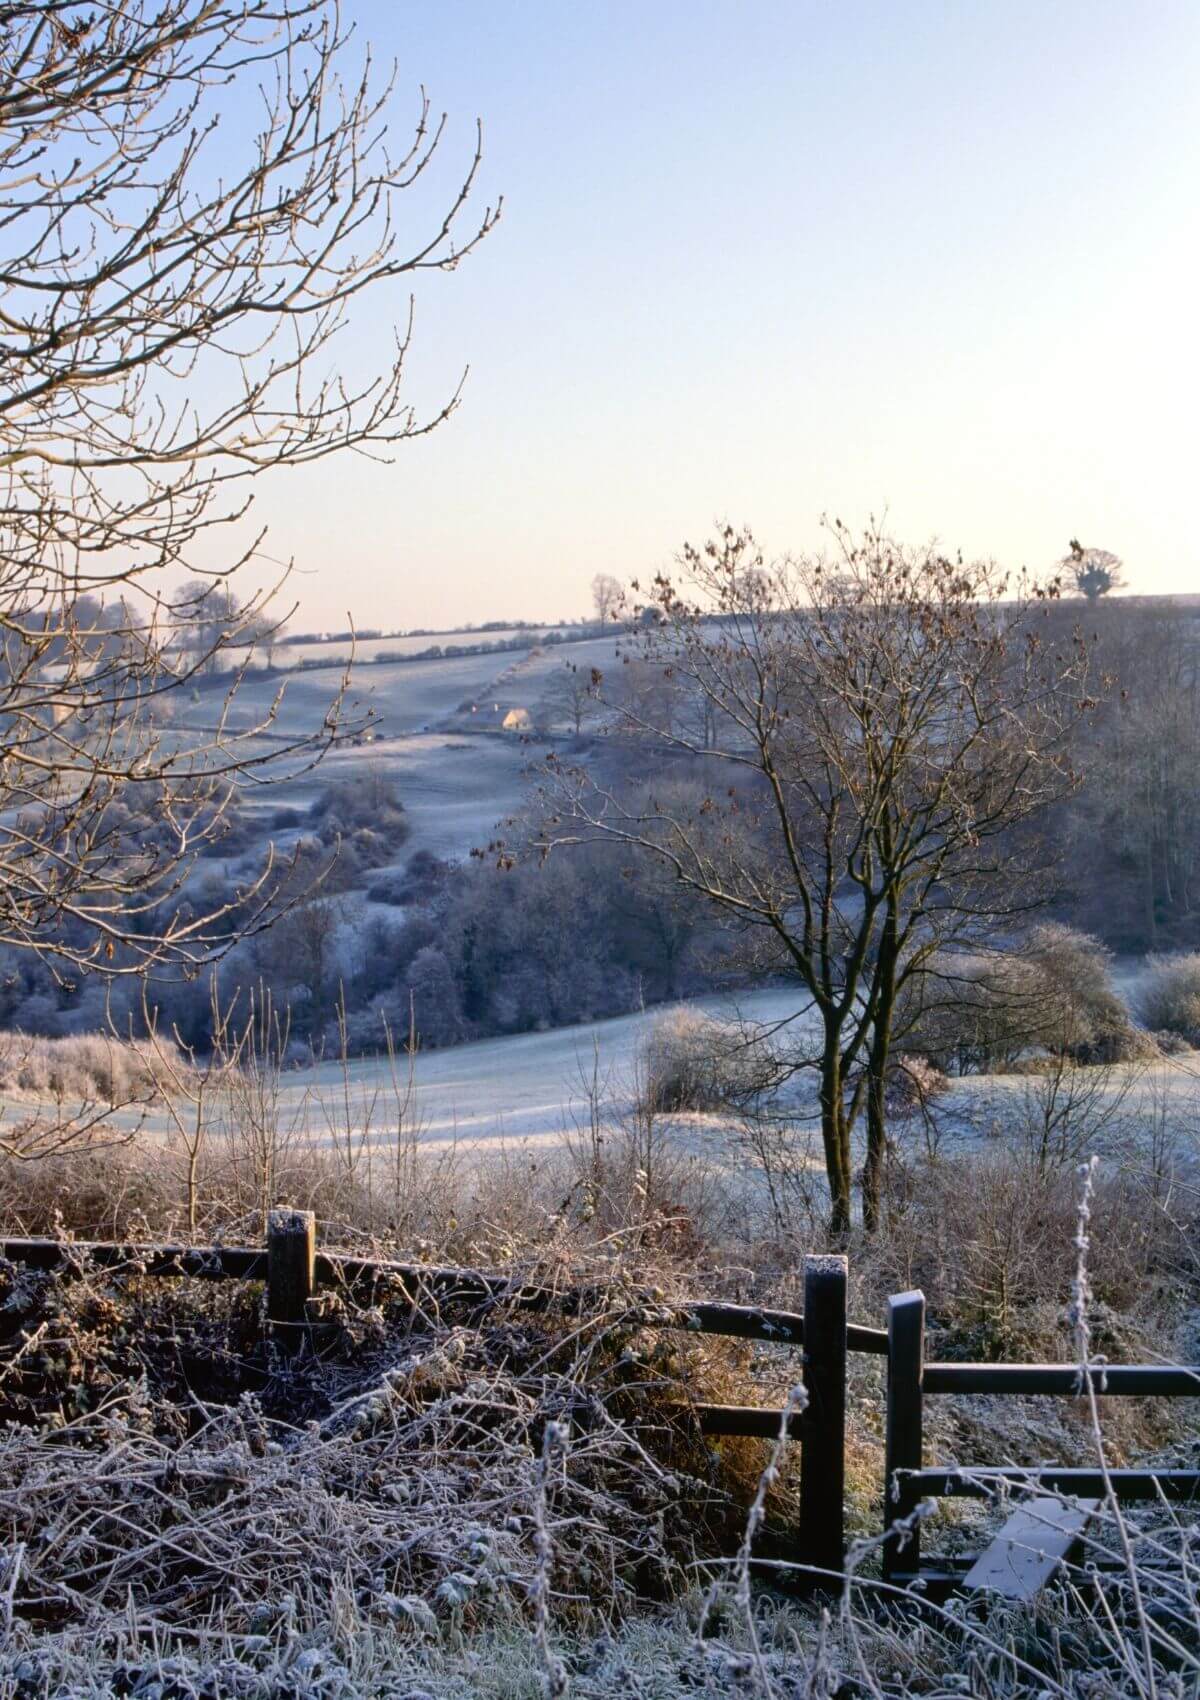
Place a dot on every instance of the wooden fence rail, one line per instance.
(908, 1481)
(250, 1263)
(293, 1270)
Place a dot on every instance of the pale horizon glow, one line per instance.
(764, 263)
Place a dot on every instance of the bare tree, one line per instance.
(206, 614)
(268, 635)
(648, 693)
(300, 952)
(167, 322)
(1095, 571)
(607, 596)
(1136, 825)
(571, 693)
(888, 720)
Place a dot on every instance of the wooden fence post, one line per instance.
(906, 1367)
(291, 1261)
(823, 1448)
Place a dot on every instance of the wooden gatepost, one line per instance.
(291, 1274)
(904, 1436)
(823, 1443)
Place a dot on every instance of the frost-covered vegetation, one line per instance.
(473, 1503)
(470, 1500)
(809, 872)
(1169, 1001)
(90, 1066)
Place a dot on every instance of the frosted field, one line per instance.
(292, 655)
(407, 697)
(529, 1090)
(456, 789)
(527, 1093)
(458, 778)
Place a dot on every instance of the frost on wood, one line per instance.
(282, 1221)
(827, 1263)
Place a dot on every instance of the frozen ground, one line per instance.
(530, 1087)
(458, 775)
(455, 788)
(529, 1091)
(457, 785)
(407, 696)
(293, 655)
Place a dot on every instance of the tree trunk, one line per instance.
(872, 1180)
(877, 1066)
(836, 1137)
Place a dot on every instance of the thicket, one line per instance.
(402, 1512)
(1169, 997)
(1051, 995)
(511, 949)
(690, 1061)
(87, 1067)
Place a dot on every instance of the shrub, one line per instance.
(1082, 1003)
(690, 1061)
(87, 1066)
(421, 880)
(369, 805)
(1169, 1000)
(1170, 1044)
(389, 888)
(1055, 996)
(426, 872)
(972, 1015)
(990, 1239)
(912, 1083)
(122, 1192)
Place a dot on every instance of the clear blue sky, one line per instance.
(764, 261)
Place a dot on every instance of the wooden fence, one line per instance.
(907, 1480)
(293, 1270)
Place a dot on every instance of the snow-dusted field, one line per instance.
(526, 1089)
(406, 697)
(530, 1091)
(293, 655)
(457, 773)
(456, 789)
(529, 1087)
(458, 783)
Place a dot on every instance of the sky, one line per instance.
(765, 262)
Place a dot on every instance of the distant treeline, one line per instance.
(368, 634)
(447, 651)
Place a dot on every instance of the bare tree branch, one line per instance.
(193, 196)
